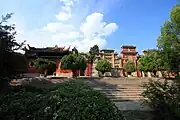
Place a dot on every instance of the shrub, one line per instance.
(163, 99)
(130, 67)
(45, 66)
(103, 66)
(72, 100)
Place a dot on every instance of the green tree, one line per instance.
(151, 62)
(94, 49)
(73, 62)
(169, 41)
(92, 52)
(103, 66)
(81, 63)
(129, 67)
(45, 66)
(75, 51)
(8, 44)
(69, 62)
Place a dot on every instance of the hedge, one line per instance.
(72, 100)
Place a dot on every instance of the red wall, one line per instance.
(87, 72)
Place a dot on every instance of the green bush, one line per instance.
(103, 66)
(163, 99)
(130, 67)
(72, 100)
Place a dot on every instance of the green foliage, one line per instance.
(94, 49)
(90, 57)
(45, 65)
(103, 66)
(169, 41)
(75, 51)
(8, 44)
(72, 100)
(81, 63)
(92, 52)
(151, 61)
(130, 67)
(163, 99)
(73, 61)
(69, 61)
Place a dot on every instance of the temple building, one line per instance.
(51, 53)
(128, 52)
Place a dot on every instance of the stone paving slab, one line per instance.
(131, 105)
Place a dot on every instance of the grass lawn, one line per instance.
(72, 100)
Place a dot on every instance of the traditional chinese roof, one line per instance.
(48, 52)
(48, 49)
(128, 52)
(128, 46)
(107, 50)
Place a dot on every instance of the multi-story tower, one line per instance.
(128, 52)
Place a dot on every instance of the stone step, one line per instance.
(125, 99)
(122, 94)
(130, 87)
(131, 105)
(119, 89)
(117, 93)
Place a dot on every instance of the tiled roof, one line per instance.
(128, 46)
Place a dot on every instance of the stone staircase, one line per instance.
(122, 93)
(126, 96)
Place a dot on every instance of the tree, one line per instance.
(8, 44)
(94, 49)
(81, 63)
(69, 62)
(92, 52)
(73, 62)
(130, 67)
(45, 66)
(103, 66)
(75, 51)
(169, 41)
(151, 62)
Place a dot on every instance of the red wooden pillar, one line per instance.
(58, 67)
(88, 69)
(139, 73)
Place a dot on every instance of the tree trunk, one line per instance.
(45, 72)
(79, 72)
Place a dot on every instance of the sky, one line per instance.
(84, 23)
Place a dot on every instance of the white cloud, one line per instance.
(63, 16)
(95, 26)
(93, 30)
(58, 27)
(65, 12)
(65, 37)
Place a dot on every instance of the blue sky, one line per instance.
(83, 23)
